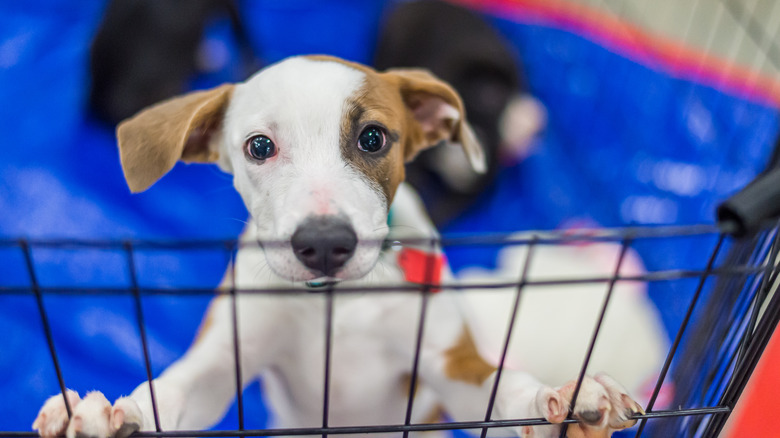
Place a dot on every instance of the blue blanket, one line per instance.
(626, 144)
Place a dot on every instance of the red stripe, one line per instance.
(654, 51)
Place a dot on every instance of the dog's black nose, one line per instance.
(324, 243)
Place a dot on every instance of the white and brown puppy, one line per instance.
(317, 147)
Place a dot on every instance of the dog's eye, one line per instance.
(261, 147)
(372, 139)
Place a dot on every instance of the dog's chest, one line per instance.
(366, 367)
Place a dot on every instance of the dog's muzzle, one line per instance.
(324, 244)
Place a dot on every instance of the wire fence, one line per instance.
(727, 323)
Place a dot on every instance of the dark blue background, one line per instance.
(626, 144)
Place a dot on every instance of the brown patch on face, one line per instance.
(464, 363)
(376, 103)
(406, 103)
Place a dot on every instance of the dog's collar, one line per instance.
(422, 267)
(420, 264)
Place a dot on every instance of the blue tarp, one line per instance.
(626, 144)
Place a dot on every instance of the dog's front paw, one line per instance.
(93, 416)
(125, 417)
(52, 419)
(602, 406)
(623, 406)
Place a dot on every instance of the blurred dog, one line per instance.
(632, 343)
(148, 50)
(460, 47)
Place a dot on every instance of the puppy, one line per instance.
(317, 147)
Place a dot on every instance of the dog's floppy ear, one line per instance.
(439, 113)
(180, 128)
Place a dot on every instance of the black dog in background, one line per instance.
(147, 50)
(458, 46)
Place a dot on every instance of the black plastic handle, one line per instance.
(755, 205)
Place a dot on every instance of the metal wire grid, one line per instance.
(747, 274)
(754, 40)
(735, 326)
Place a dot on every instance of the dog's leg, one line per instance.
(193, 393)
(464, 381)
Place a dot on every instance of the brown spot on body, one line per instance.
(435, 416)
(406, 384)
(464, 363)
(207, 322)
(436, 413)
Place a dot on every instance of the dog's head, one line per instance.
(316, 146)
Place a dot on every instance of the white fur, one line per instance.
(299, 104)
(631, 345)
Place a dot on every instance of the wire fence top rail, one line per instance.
(401, 287)
(461, 239)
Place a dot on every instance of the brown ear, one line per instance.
(438, 111)
(180, 128)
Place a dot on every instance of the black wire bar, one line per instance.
(425, 292)
(460, 239)
(727, 358)
(745, 311)
(328, 351)
(761, 294)
(515, 307)
(765, 327)
(45, 322)
(656, 276)
(673, 349)
(393, 428)
(720, 306)
(744, 314)
(139, 314)
(623, 249)
(236, 339)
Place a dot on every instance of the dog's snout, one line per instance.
(324, 243)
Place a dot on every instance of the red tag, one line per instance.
(421, 267)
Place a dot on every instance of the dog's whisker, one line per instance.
(262, 269)
(396, 227)
(238, 220)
